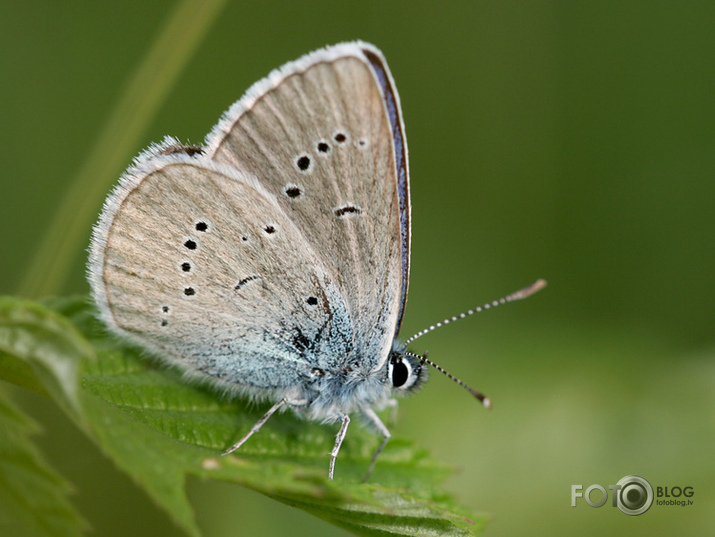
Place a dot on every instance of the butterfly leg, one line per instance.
(338, 442)
(392, 405)
(256, 427)
(374, 420)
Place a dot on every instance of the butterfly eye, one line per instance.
(399, 373)
(405, 371)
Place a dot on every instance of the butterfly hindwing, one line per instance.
(202, 266)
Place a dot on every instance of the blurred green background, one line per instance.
(573, 141)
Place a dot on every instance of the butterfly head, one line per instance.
(406, 371)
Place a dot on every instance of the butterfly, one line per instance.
(273, 261)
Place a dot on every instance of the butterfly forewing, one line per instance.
(318, 135)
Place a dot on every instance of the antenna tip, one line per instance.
(538, 285)
(487, 403)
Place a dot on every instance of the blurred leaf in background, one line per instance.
(570, 141)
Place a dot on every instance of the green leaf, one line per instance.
(42, 351)
(33, 498)
(159, 429)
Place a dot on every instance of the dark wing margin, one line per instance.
(392, 104)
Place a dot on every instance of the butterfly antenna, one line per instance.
(479, 395)
(538, 285)
(522, 293)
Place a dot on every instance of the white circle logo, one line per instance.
(635, 495)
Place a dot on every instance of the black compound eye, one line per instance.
(399, 373)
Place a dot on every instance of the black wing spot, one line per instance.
(190, 150)
(202, 226)
(269, 229)
(323, 147)
(293, 191)
(164, 322)
(347, 210)
(165, 309)
(300, 342)
(340, 137)
(312, 301)
(244, 238)
(186, 266)
(189, 291)
(244, 281)
(191, 245)
(303, 163)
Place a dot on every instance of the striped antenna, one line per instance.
(479, 395)
(522, 293)
(538, 285)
